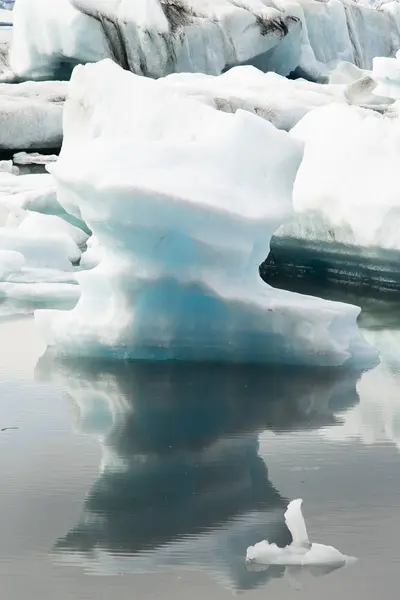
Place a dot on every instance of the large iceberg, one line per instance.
(182, 200)
(158, 37)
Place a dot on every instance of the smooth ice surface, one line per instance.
(179, 275)
(31, 114)
(159, 37)
(300, 552)
(347, 183)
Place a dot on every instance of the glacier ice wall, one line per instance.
(165, 36)
(182, 200)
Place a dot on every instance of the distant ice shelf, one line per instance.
(160, 37)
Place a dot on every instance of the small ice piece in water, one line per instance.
(301, 552)
(33, 158)
(6, 166)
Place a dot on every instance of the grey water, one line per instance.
(144, 481)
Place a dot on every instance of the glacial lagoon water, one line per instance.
(146, 481)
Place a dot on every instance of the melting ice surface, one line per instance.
(177, 263)
(300, 552)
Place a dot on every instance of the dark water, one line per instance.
(151, 481)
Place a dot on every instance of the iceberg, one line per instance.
(158, 37)
(346, 201)
(277, 99)
(31, 114)
(33, 158)
(183, 200)
(181, 483)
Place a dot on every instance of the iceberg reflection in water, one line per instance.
(181, 484)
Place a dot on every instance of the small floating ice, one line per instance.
(33, 158)
(301, 552)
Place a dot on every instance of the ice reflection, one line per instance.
(376, 419)
(181, 484)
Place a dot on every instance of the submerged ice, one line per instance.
(182, 200)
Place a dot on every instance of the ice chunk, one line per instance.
(6, 17)
(296, 524)
(33, 158)
(31, 114)
(36, 193)
(346, 181)
(10, 261)
(36, 250)
(281, 101)
(7, 166)
(300, 552)
(180, 275)
(53, 250)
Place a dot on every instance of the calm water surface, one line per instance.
(134, 481)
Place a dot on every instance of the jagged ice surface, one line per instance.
(158, 37)
(183, 200)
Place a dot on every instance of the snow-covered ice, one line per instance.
(273, 97)
(160, 37)
(33, 158)
(179, 275)
(346, 190)
(31, 114)
(38, 246)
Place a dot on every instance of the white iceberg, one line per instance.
(38, 247)
(277, 99)
(301, 552)
(164, 36)
(346, 201)
(33, 158)
(31, 114)
(347, 176)
(183, 200)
